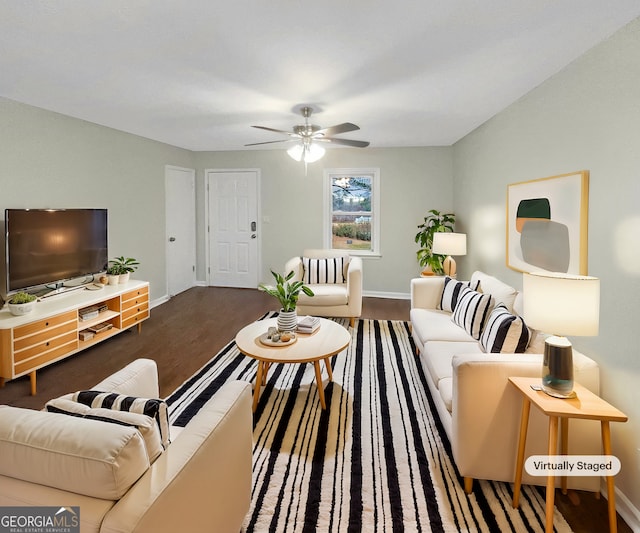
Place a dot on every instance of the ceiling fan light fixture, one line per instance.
(307, 152)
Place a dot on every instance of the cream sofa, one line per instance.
(479, 409)
(330, 299)
(201, 482)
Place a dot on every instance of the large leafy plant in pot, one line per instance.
(433, 223)
(287, 293)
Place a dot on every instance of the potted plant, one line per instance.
(113, 274)
(434, 222)
(287, 293)
(22, 303)
(123, 267)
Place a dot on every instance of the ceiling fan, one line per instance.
(308, 135)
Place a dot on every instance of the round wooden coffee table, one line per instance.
(329, 339)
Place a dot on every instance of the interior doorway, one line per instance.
(180, 243)
(233, 227)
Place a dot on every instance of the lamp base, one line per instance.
(449, 266)
(557, 368)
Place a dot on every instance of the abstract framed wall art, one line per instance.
(547, 224)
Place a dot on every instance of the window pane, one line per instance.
(351, 212)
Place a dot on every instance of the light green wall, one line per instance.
(52, 160)
(585, 117)
(412, 181)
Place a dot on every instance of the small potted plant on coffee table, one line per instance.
(21, 303)
(287, 293)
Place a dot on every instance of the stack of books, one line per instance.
(308, 324)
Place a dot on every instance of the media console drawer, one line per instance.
(52, 331)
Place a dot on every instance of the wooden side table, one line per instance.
(586, 405)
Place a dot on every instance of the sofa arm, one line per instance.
(486, 416)
(426, 292)
(139, 378)
(202, 482)
(354, 284)
(295, 264)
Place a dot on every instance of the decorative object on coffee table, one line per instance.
(562, 304)
(286, 292)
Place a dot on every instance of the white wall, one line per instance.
(412, 181)
(586, 117)
(52, 160)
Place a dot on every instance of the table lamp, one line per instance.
(562, 304)
(447, 243)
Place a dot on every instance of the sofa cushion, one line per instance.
(70, 453)
(144, 424)
(501, 292)
(323, 270)
(326, 294)
(472, 311)
(437, 356)
(445, 388)
(451, 291)
(153, 407)
(504, 332)
(433, 325)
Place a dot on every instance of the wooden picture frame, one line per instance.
(547, 224)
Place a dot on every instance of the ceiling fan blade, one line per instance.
(290, 133)
(345, 127)
(270, 142)
(345, 142)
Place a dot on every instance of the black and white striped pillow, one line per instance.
(322, 271)
(504, 332)
(451, 291)
(144, 424)
(153, 407)
(472, 310)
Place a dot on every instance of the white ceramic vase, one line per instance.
(287, 320)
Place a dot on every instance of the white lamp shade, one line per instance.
(446, 243)
(308, 153)
(562, 304)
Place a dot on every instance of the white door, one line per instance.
(233, 228)
(180, 194)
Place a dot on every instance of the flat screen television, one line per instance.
(46, 247)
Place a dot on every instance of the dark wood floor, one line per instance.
(185, 332)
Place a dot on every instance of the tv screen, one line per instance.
(47, 246)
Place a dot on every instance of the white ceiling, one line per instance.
(198, 73)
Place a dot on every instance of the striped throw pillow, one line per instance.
(144, 424)
(322, 271)
(504, 332)
(451, 291)
(153, 407)
(472, 310)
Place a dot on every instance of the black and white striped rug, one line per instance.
(376, 460)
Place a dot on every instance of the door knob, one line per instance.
(253, 235)
(172, 239)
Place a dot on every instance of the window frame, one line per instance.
(374, 173)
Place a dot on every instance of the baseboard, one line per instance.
(629, 512)
(390, 295)
(159, 301)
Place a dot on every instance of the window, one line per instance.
(352, 210)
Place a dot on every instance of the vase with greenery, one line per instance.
(122, 267)
(434, 222)
(287, 293)
(21, 303)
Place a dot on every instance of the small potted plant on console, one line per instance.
(124, 267)
(22, 303)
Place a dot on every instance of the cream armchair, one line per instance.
(330, 299)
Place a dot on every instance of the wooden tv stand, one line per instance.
(55, 329)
